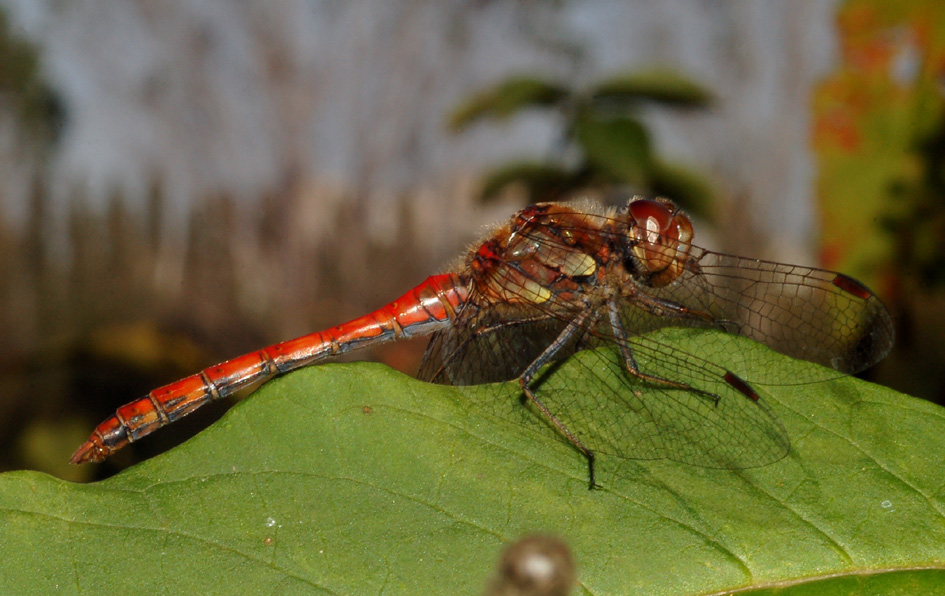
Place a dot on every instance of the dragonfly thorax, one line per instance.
(547, 251)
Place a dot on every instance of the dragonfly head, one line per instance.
(658, 235)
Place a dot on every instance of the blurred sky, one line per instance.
(215, 95)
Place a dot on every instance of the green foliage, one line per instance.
(37, 107)
(876, 118)
(879, 141)
(353, 479)
(660, 86)
(507, 99)
(916, 220)
(618, 149)
(599, 125)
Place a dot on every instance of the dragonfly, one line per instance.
(581, 280)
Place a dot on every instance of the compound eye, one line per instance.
(660, 236)
(650, 219)
(684, 231)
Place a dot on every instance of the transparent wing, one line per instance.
(812, 314)
(490, 345)
(595, 397)
(619, 414)
(808, 313)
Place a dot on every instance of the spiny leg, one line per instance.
(620, 334)
(575, 326)
(663, 307)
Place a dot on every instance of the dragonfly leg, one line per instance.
(574, 326)
(662, 307)
(631, 365)
(507, 324)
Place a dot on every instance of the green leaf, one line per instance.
(507, 99)
(656, 85)
(353, 479)
(618, 148)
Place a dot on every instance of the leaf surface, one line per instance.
(657, 85)
(506, 99)
(353, 479)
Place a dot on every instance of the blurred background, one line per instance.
(184, 181)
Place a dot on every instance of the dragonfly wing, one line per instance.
(813, 314)
(614, 412)
(492, 345)
(597, 399)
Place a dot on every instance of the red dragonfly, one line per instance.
(558, 279)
